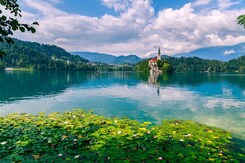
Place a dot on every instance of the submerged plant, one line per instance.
(81, 136)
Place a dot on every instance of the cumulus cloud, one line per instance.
(138, 29)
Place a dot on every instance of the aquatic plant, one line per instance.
(80, 136)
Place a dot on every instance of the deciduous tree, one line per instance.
(9, 23)
(241, 20)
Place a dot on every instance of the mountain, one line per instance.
(37, 56)
(222, 53)
(107, 58)
(126, 59)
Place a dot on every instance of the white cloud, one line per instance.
(228, 52)
(224, 4)
(201, 2)
(227, 92)
(138, 28)
(118, 5)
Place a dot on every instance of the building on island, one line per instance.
(153, 62)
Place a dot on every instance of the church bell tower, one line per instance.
(159, 54)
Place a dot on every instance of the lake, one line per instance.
(209, 98)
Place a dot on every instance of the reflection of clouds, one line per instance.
(242, 115)
(144, 95)
(224, 103)
(147, 95)
(171, 103)
(226, 121)
(244, 93)
(227, 92)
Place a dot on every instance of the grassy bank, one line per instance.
(79, 136)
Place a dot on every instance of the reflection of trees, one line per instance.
(191, 79)
(17, 85)
(26, 84)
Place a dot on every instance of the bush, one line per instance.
(2, 66)
(80, 136)
(167, 67)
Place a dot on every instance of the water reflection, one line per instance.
(153, 80)
(213, 99)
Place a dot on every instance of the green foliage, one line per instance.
(163, 65)
(2, 65)
(159, 63)
(36, 56)
(237, 65)
(31, 55)
(194, 64)
(241, 20)
(10, 24)
(142, 66)
(167, 67)
(80, 136)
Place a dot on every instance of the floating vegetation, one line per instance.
(80, 136)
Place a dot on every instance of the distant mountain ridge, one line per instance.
(222, 53)
(107, 58)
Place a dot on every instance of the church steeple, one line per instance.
(159, 54)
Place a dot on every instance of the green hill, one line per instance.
(24, 54)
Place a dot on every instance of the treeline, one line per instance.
(31, 55)
(23, 54)
(194, 64)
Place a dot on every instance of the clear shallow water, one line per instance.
(213, 99)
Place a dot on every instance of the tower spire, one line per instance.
(159, 54)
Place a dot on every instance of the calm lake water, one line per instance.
(213, 99)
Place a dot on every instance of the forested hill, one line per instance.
(194, 64)
(41, 57)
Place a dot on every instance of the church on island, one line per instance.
(153, 62)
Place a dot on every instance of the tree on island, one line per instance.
(9, 24)
(164, 66)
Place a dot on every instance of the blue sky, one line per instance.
(122, 27)
(96, 7)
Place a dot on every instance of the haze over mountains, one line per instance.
(222, 53)
(107, 58)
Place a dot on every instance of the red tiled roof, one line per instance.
(153, 59)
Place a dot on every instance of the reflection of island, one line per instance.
(152, 79)
(154, 71)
